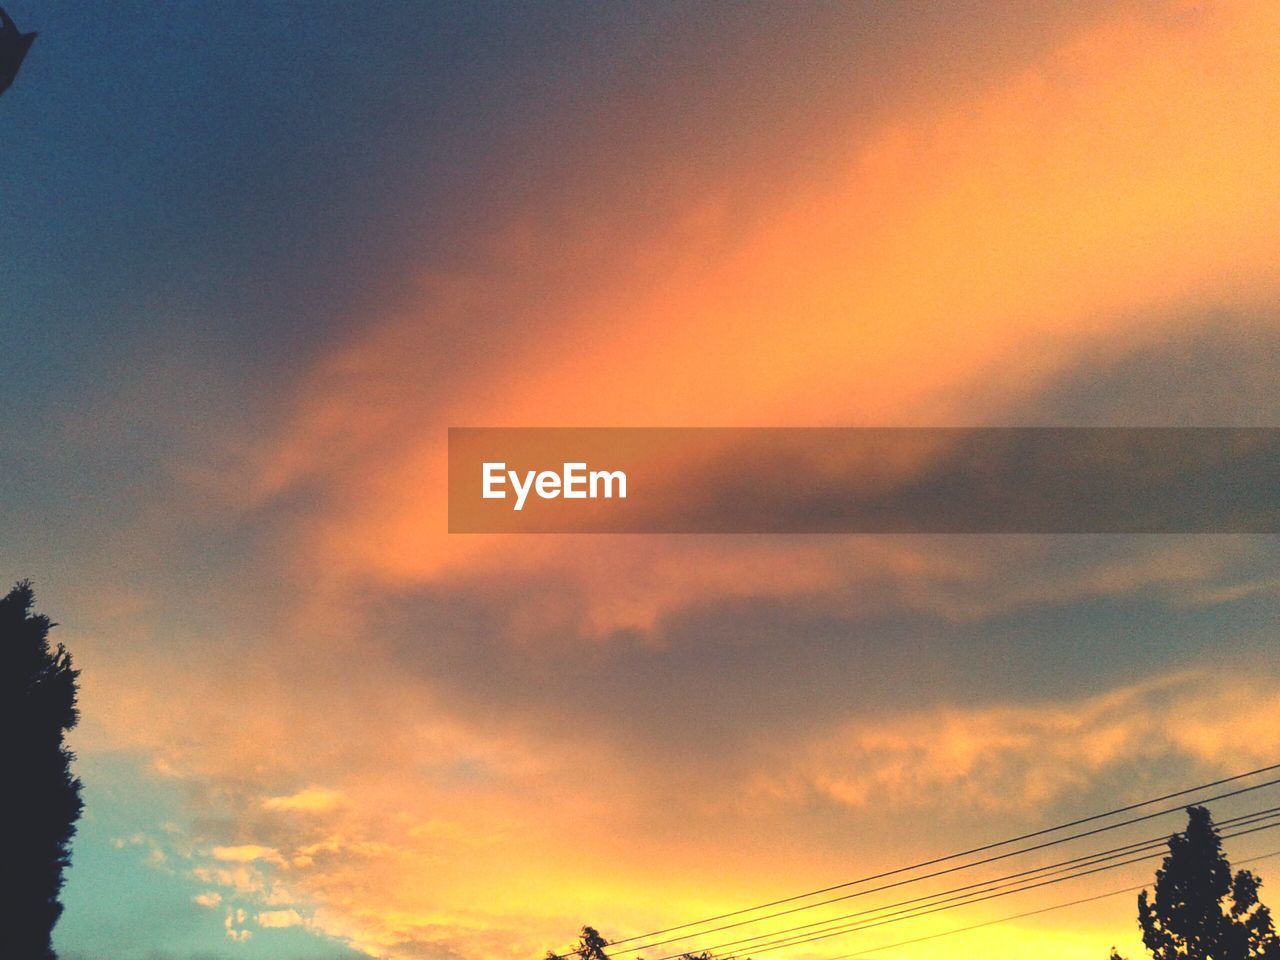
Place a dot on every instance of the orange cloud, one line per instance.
(278, 919)
(245, 853)
(1028, 756)
(959, 258)
(310, 800)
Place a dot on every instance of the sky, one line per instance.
(257, 258)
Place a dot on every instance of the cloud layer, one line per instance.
(374, 736)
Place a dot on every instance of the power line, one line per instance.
(1020, 916)
(986, 886)
(903, 915)
(1014, 879)
(949, 870)
(950, 903)
(926, 863)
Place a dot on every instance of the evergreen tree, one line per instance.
(40, 797)
(1200, 910)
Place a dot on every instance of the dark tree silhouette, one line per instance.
(1200, 911)
(14, 45)
(40, 799)
(591, 947)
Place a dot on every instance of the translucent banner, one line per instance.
(864, 480)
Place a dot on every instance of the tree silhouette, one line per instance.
(591, 947)
(14, 45)
(40, 799)
(1200, 911)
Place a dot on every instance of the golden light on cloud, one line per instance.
(209, 899)
(960, 257)
(980, 757)
(245, 853)
(310, 800)
(278, 919)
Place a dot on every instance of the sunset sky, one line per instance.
(258, 258)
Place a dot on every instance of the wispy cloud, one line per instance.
(1030, 755)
